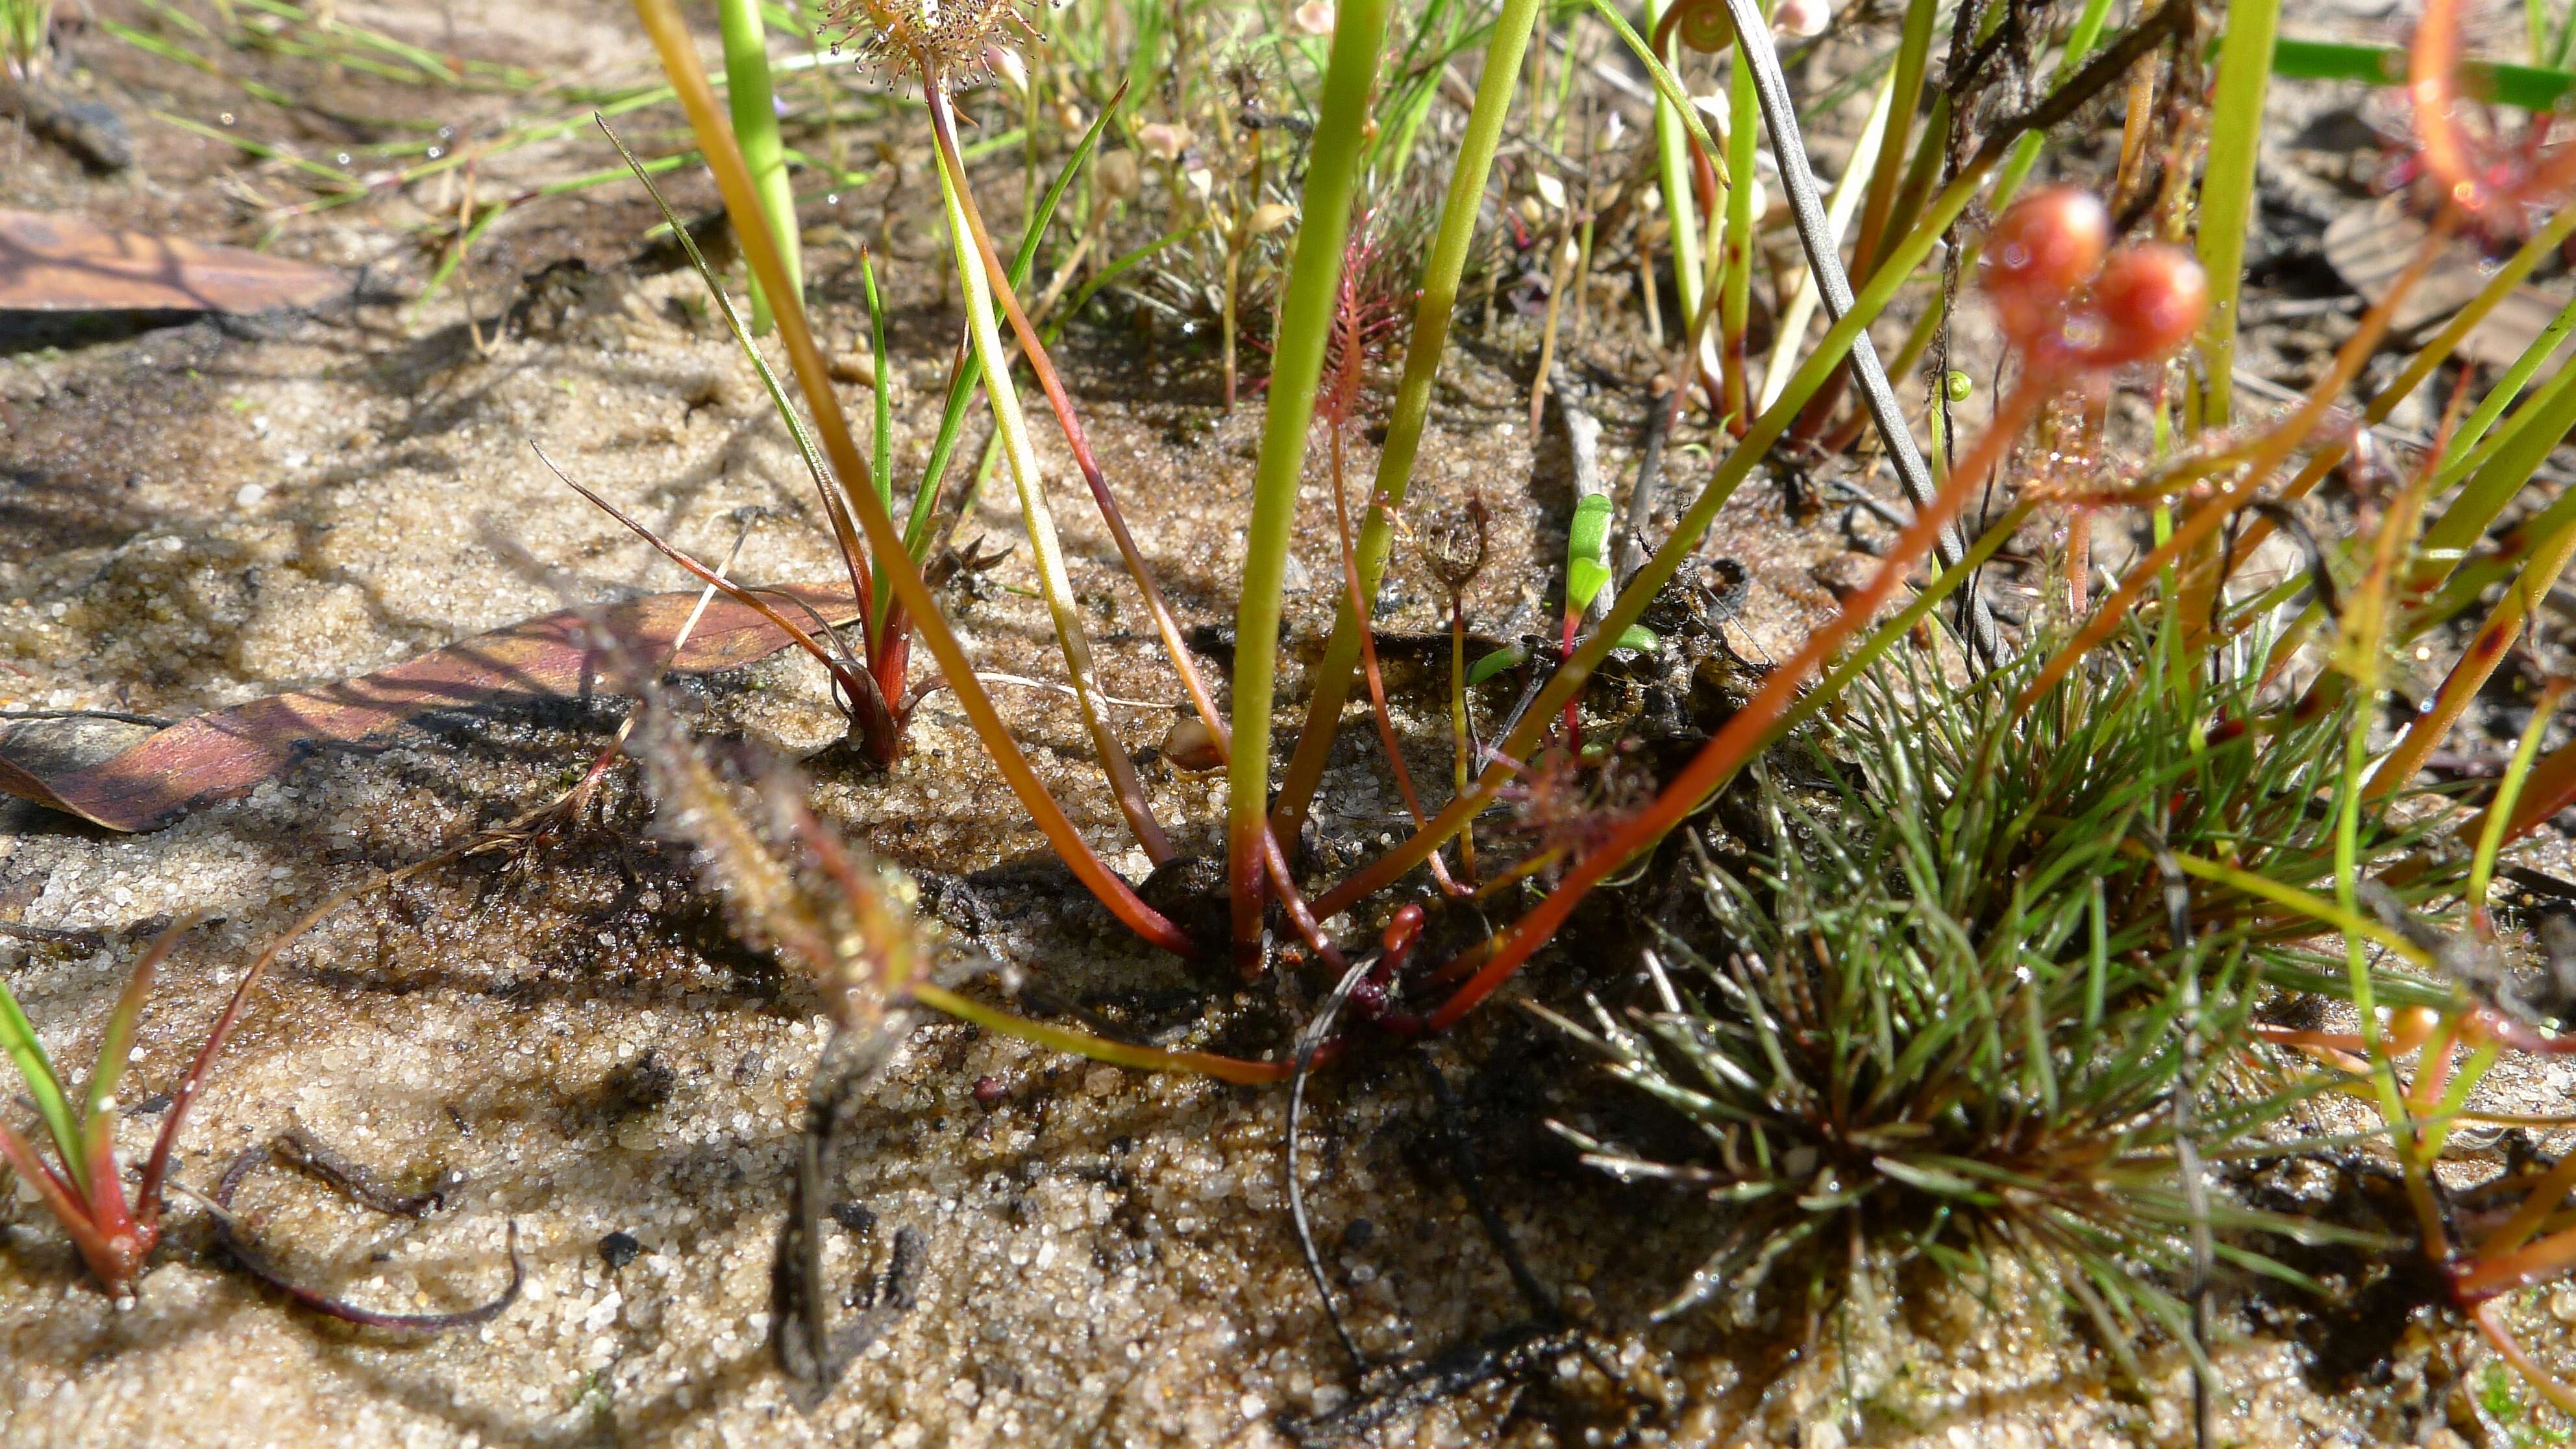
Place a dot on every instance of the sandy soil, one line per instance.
(567, 1043)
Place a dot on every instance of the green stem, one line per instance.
(1472, 168)
(1097, 1048)
(1735, 301)
(1913, 51)
(2508, 790)
(1672, 165)
(1305, 319)
(2227, 188)
(755, 128)
(880, 444)
(2365, 1003)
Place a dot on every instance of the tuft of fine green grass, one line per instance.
(1961, 1002)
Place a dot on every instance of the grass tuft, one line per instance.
(1957, 1002)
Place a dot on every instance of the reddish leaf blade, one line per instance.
(63, 263)
(225, 755)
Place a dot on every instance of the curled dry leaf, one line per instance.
(67, 264)
(2371, 246)
(226, 754)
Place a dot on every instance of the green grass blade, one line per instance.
(1054, 326)
(53, 1104)
(778, 399)
(455, 258)
(2534, 88)
(1305, 320)
(2227, 188)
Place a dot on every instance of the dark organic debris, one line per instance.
(1308, 1042)
(1520, 1352)
(75, 940)
(297, 1149)
(90, 130)
(811, 1353)
(1389, 1391)
(300, 1149)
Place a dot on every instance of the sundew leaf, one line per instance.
(227, 754)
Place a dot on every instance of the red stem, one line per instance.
(2551, 1387)
(1573, 705)
(1368, 648)
(58, 1194)
(1079, 442)
(1743, 733)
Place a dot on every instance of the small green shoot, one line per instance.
(84, 1187)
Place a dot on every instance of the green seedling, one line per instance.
(84, 1187)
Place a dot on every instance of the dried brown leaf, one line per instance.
(61, 263)
(226, 754)
(2370, 246)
